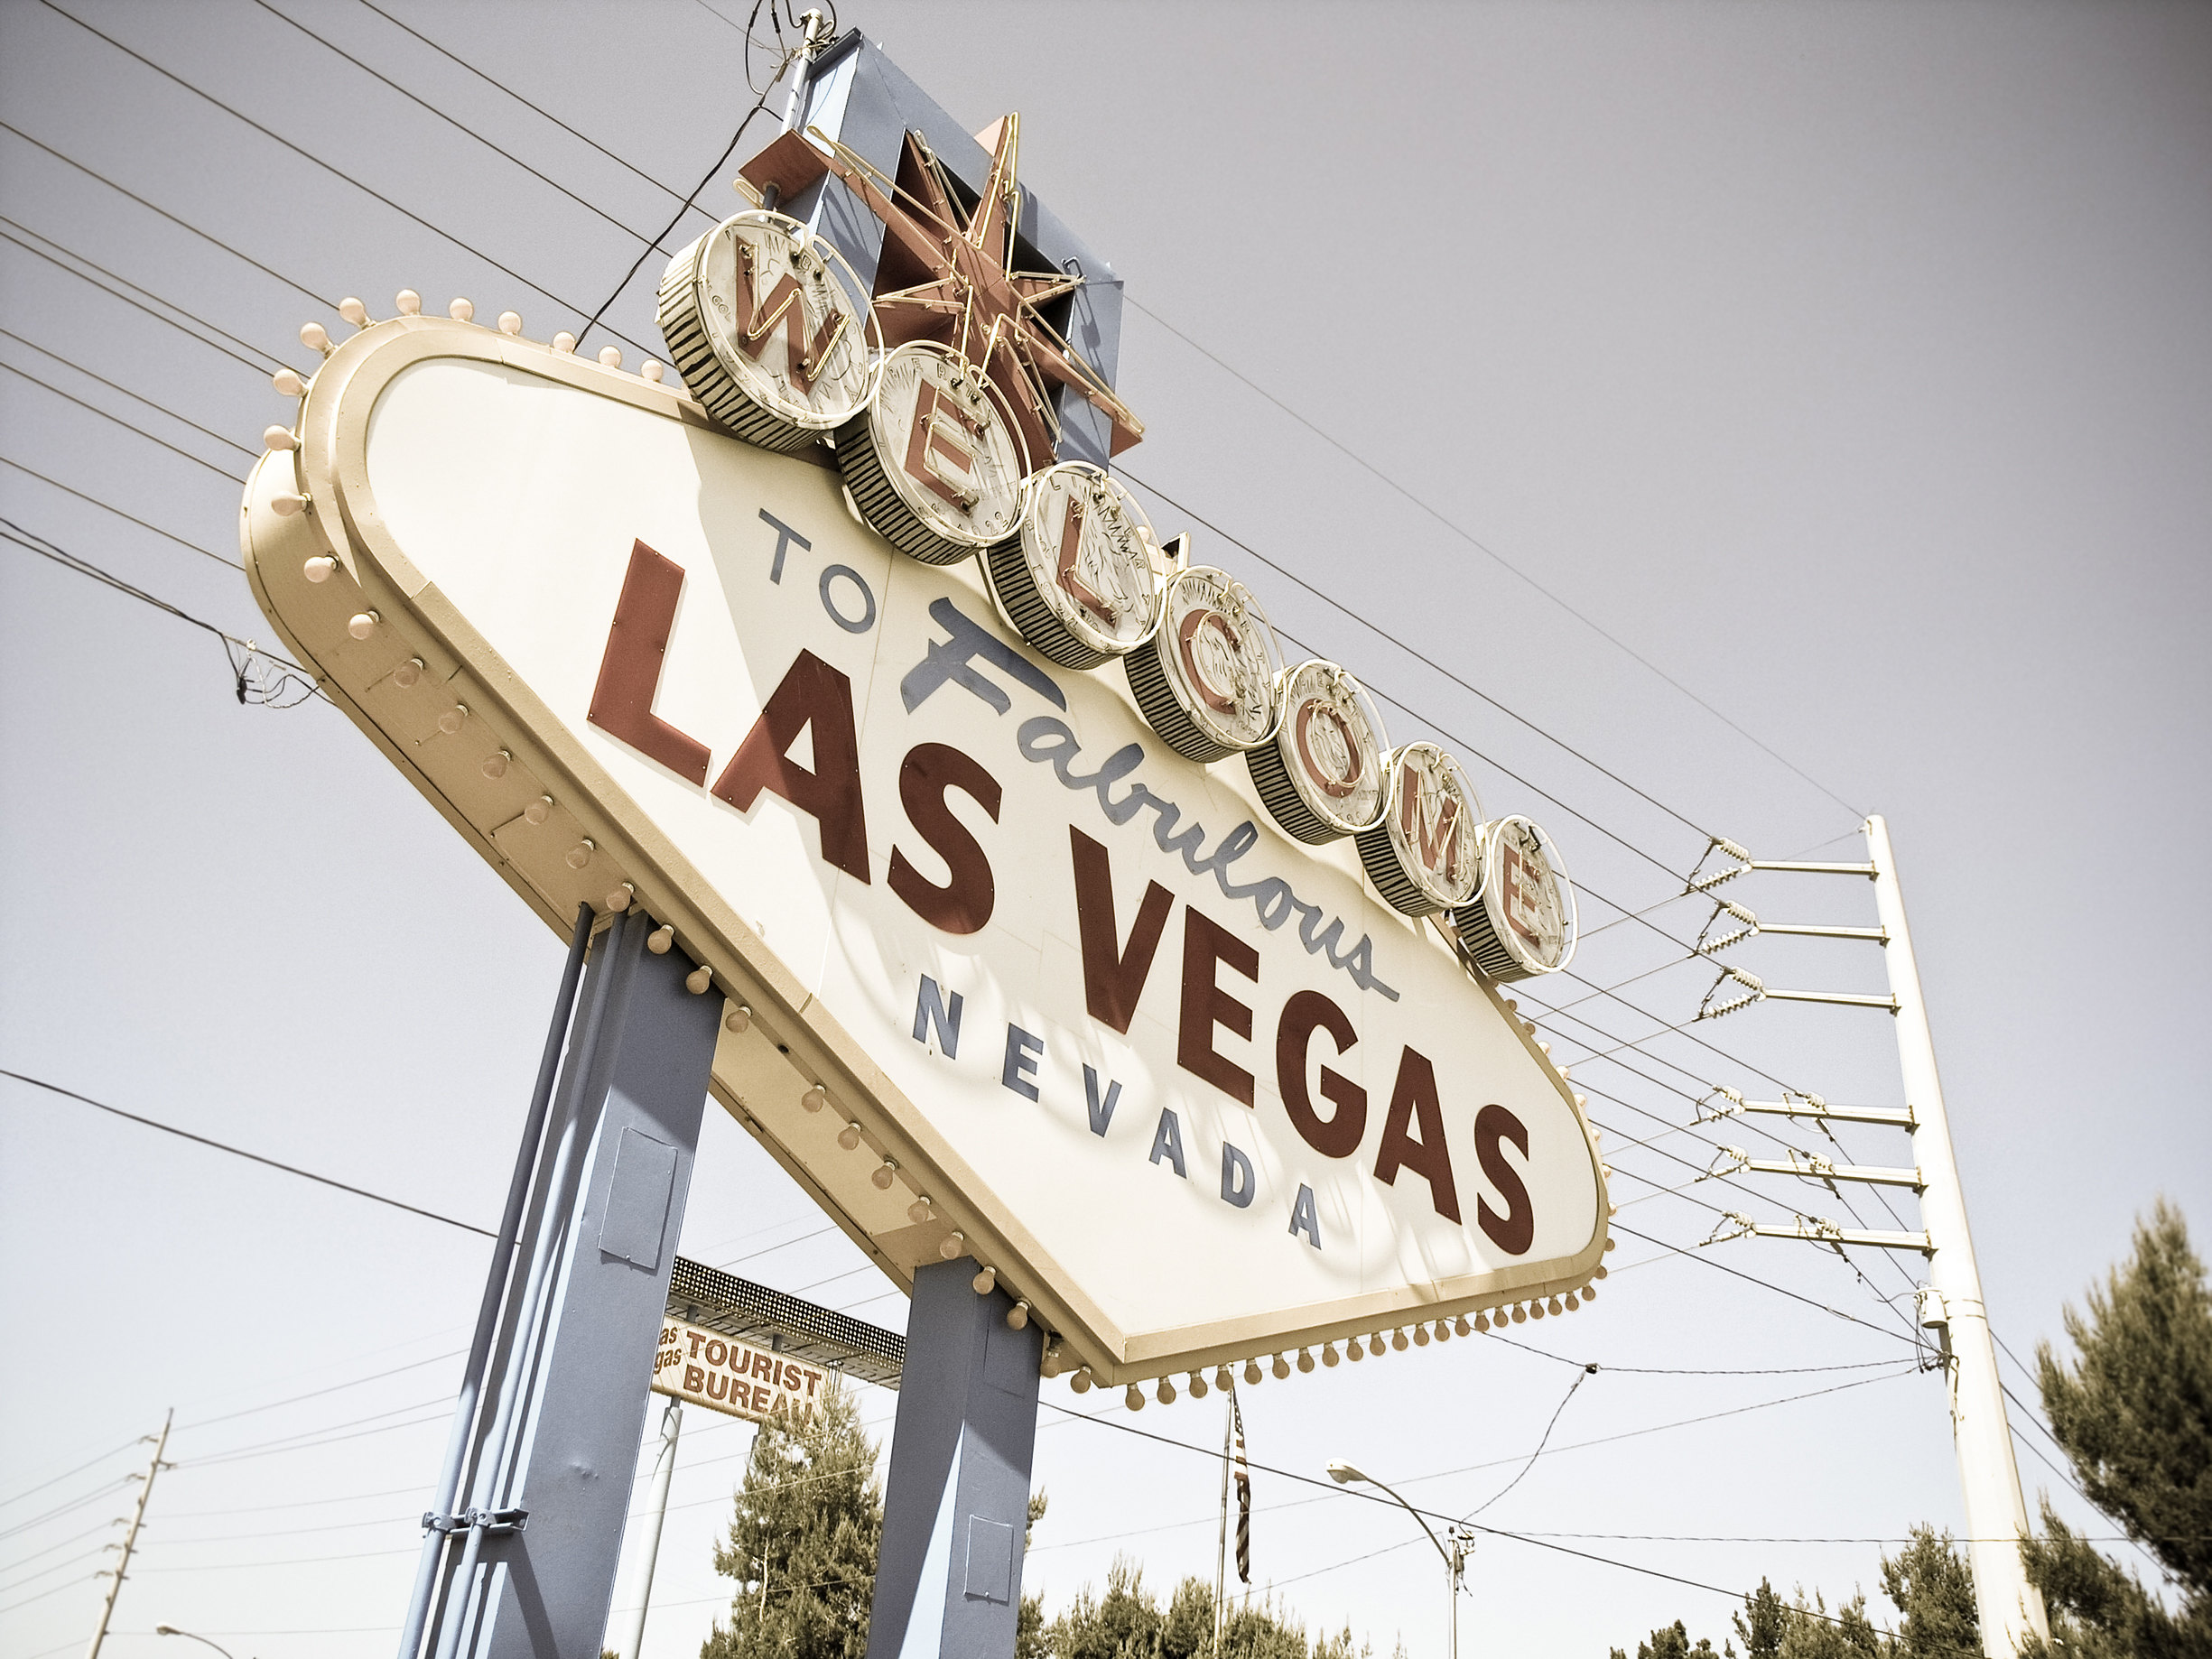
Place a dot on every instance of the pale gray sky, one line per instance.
(1849, 366)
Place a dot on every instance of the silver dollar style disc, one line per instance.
(1426, 854)
(1523, 923)
(1322, 776)
(1081, 581)
(769, 327)
(1206, 680)
(932, 463)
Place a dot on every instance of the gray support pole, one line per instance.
(2011, 1608)
(664, 1470)
(551, 1487)
(441, 1518)
(956, 1508)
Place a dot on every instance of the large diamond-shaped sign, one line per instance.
(1008, 977)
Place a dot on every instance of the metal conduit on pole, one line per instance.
(664, 1470)
(440, 1522)
(2011, 1608)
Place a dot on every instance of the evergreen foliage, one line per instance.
(1128, 1623)
(803, 1542)
(2134, 1414)
(1932, 1586)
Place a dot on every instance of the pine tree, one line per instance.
(2134, 1414)
(803, 1542)
(1762, 1624)
(1933, 1589)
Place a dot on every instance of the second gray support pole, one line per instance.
(956, 1508)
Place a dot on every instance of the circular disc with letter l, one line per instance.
(770, 328)
(1081, 582)
(1425, 856)
(1522, 923)
(1206, 680)
(933, 462)
(1322, 776)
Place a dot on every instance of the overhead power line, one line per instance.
(262, 368)
(240, 1152)
(48, 385)
(109, 506)
(136, 397)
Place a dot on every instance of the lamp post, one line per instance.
(173, 1630)
(1454, 1558)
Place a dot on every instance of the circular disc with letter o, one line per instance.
(1426, 854)
(770, 329)
(933, 463)
(1322, 776)
(1081, 581)
(1206, 680)
(1523, 923)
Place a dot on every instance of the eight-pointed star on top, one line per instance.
(947, 274)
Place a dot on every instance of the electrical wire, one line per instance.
(220, 472)
(336, 173)
(260, 368)
(181, 224)
(136, 397)
(108, 506)
(55, 1480)
(21, 1527)
(1491, 554)
(240, 1152)
(1587, 1372)
(316, 1393)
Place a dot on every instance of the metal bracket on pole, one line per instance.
(1795, 1105)
(1813, 1229)
(1812, 1166)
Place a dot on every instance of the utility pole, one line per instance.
(2011, 1609)
(664, 1470)
(130, 1538)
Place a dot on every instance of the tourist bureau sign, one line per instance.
(1008, 975)
(725, 1374)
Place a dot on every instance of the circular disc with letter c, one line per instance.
(1322, 777)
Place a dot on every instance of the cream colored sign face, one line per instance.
(1220, 657)
(1089, 555)
(950, 454)
(1024, 984)
(780, 318)
(706, 1368)
(1434, 826)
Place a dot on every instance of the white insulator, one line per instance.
(738, 1021)
(1252, 1373)
(510, 322)
(815, 1098)
(278, 439)
(848, 1137)
(1135, 1398)
(408, 675)
(288, 383)
(410, 303)
(660, 939)
(579, 855)
(460, 310)
(650, 369)
(611, 355)
(315, 338)
(539, 810)
(883, 1175)
(1167, 1393)
(286, 503)
(320, 569)
(363, 625)
(353, 312)
(564, 342)
(1018, 1316)
(699, 981)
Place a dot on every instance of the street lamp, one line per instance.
(1454, 1558)
(173, 1630)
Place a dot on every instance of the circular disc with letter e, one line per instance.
(1081, 581)
(1322, 776)
(1425, 856)
(770, 328)
(1523, 923)
(1206, 680)
(933, 463)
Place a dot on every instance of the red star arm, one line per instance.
(925, 244)
(987, 230)
(1053, 358)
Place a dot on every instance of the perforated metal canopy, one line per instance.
(716, 1301)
